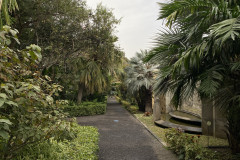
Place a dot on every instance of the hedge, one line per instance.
(131, 108)
(85, 109)
(84, 147)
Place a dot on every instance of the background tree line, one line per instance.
(78, 43)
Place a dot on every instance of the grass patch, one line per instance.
(84, 146)
(85, 109)
(148, 121)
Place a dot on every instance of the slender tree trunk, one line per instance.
(148, 106)
(0, 5)
(80, 93)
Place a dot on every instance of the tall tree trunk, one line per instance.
(148, 106)
(80, 93)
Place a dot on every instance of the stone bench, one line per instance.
(188, 129)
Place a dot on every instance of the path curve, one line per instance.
(122, 137)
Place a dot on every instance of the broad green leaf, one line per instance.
(2, 101)
(48, 78)
(49, 99)
(37, 88)
(33, 55)
(11, 103)
(16, 40)
(3, 95)
(4, 134)
(5, 121)
(31, 94)
(13, 32)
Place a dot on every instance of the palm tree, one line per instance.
(92, 72)
(92, 78)
(139, 80)
(200, 51)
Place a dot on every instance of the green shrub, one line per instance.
(125, 103)
(85, 109)
(131, 108)
(84, 146)
(118, 99)
(27, 109)
(187, 146)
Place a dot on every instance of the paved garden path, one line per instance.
(122, 137)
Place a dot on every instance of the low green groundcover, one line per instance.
(85, 109)
(127, 105)
(84, 147)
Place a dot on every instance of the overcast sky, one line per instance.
(139, 23)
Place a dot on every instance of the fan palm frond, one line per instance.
(139, 73)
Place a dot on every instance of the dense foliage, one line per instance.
(186, 146)
(27, 111)
(78, 43)
(84, 146)
(199, 51)
(85, 109)
(133, 109)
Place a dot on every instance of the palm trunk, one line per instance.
(80, 93)
(141, 99)
(148, 106)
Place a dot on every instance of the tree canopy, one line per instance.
(78, 43)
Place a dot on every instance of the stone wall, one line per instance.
(169, 106)
(192, 105)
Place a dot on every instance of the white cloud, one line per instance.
(139, 22)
